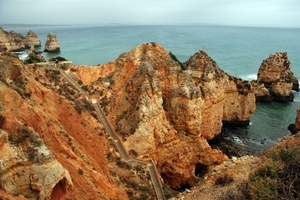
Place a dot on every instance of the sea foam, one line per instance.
(249, 77)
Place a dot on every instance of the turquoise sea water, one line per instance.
(239, 51)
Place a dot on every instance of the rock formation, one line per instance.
(44, 139)
(52, 44)
(31, 40)
(167, 110)
(11, 41)
(28, 167)
(275, 80)
(295, 127)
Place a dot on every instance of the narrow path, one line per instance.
(155, 177)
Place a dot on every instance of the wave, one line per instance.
(249, 77)
(22, 55)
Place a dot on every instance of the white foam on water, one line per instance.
(22, 55)
(249, 77)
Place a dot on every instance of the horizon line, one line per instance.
(25, 25)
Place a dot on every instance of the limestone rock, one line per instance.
(11, 41)
(167, 110)
(52, 44)
(275, 80)
(30, 170)
(295, 128)
(30, 100)
(31, 40)
(227, 99)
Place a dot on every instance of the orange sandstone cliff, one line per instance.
(160, 108)
(48, 149)
(167, 110)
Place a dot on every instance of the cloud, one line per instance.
(229, 12)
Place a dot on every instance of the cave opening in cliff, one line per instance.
(200, 170)
(59, 190)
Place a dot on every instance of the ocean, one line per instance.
(239, 51)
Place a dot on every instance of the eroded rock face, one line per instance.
(11, 41)
(275, 80)
(31, 40)
(52, 44)
(43, 137)
(167, 113)
(27, 167)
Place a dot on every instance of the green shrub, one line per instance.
(2, 118)
(202, 91)
(175, 59)
(85, 87)
(224, 180)
(79, 82)
(132, 184)
(169, 193)
(33, 58)
(23, 134)
(278, 178)
(80, 171)
(58, 58)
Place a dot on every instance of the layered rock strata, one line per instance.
(52, 44)
(167, 110)
(275, 80)
(11, 41)
(31, 40)
(43, 140)
(27, 166)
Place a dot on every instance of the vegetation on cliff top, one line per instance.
(279, 177)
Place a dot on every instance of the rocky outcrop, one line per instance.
(43, 138)
(11, 41)
(275, 80)
(28, 167)
(52, 44)
(295, 127)
(227, 98)
(167, 110)
(31, 40)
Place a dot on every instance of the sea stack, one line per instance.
(31, 40)
(275, 80)
(52, 44)
(295, 128)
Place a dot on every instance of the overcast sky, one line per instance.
(269, 13)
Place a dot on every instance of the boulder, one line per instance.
(275, 80)
(52, 44)
(31, 40)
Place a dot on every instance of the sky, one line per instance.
(262, 13)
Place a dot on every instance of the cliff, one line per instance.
(31, 40)
(167, 110)
(160, 108)
(11, 41)
(44, 138)
(52, 44)
(275, 80)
